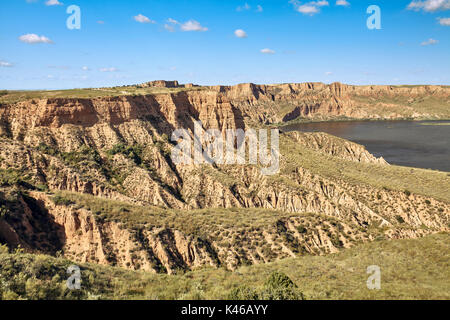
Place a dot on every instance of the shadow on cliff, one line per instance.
(34, 227)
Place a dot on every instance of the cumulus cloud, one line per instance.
(170, 25)
(329, 73)
(190, 25)
(84, 68)
(429, 5)
(193, 25)
(245, 7)
(5, 64)
(34, 38)
(429, 42)
(343, 3)
(259, 8)
(108, 70)
(53, 3)
(309, 8)
(173, 21)
(267, 51)
(444, 21)
(143, 19)
(240, 33)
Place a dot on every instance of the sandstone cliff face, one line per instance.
(118, 149)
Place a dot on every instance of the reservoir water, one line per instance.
(424, 144)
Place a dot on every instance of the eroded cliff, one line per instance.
(93, 178)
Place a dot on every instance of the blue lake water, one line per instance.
(404, 143)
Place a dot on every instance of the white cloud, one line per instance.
(84, 68)
(429, 42)
(193, 25)
(267, 51)
(329, 73)
(34, 38)
(310, 8)
(444, 21)
(244, 7)
(108, 70)
(5, 64)
(240, 33)
(101, 22)
(307, 9)
(143, 19)
(173, 21)
(429, 5)
(169, 27)
(53, 3)
(190, 25)
(259, 8)
(343, 3)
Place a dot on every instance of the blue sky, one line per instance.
(126, 42)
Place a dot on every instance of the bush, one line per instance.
(131, 152)
(301, 229)
(280, 287)
(61, 201)
(400, 219)
(277, 287)
(243, 293)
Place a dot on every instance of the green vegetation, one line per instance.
(60, 200)
(435, 124)
(410, 269)
(132, 152)
(277, 287)
(12, 177)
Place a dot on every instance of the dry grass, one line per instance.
(410, 269)
(17, 96)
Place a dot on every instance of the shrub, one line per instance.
(243, 293)
(277, 287)
(301, 229)
(131, 152)
(400, 219)
(59, 200)
(280, 287)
